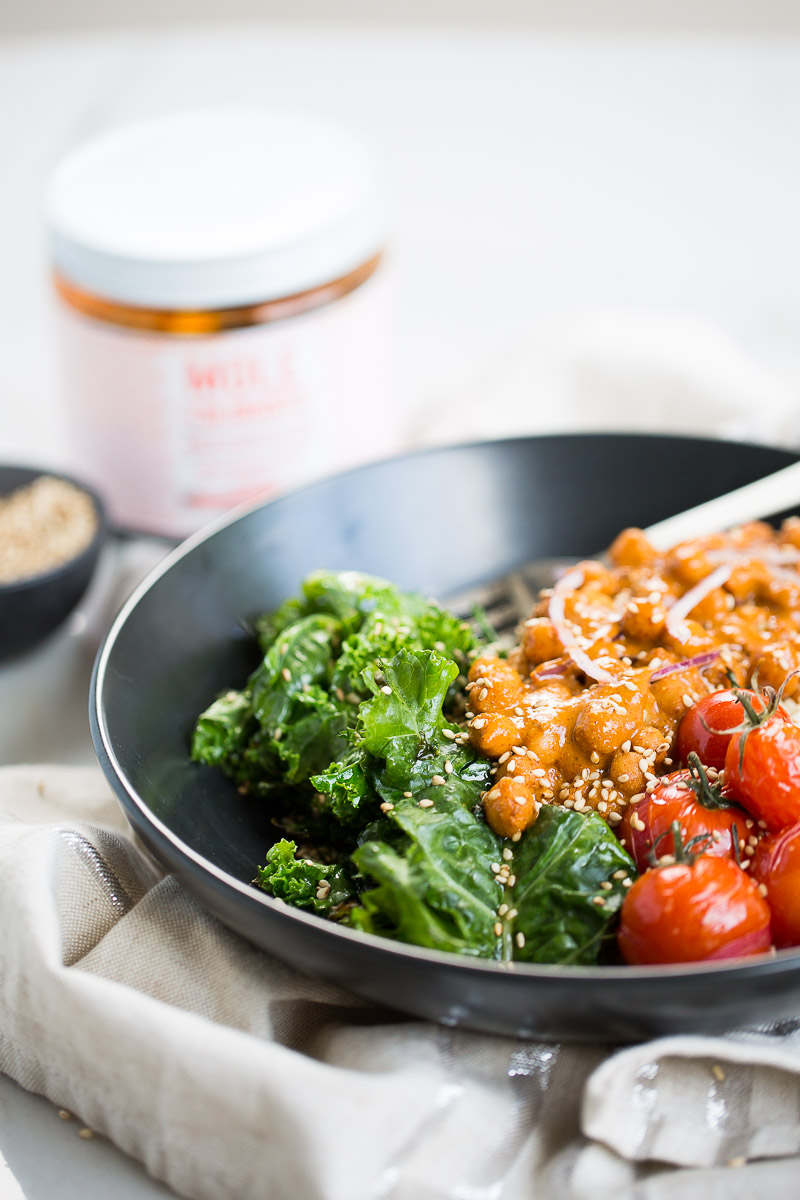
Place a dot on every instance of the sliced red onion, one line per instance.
(686, 664)
(780, 555)
(689, 600)
(555, 667)
(571, 582)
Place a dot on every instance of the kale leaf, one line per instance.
(435, 886)
(298, 881)
(561, 865)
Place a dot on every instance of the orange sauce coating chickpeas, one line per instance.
(559, 737)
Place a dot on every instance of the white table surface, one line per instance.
(530, 176)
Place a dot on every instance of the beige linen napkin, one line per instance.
(231, 1076)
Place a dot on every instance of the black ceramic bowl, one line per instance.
(437, 521)
(34, 607)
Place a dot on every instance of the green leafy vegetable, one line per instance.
(561, 866)
(222, 730)
(345, 727)
(435, 887)
(303, 882)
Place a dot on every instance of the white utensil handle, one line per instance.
(766, 496)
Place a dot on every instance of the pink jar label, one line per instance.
(176, 429)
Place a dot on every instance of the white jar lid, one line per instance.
(214, 209)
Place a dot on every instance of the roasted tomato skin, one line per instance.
(705, 728)
(673, 799)
(764, 775)
(776, 865)
(693, 912)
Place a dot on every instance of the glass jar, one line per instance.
(221, 311)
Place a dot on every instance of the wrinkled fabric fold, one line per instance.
(228, 1074)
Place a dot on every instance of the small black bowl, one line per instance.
(32, 608)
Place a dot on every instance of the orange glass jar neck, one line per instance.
(189, 321)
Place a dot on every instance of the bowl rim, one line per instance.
(44, 578)
(777, 962)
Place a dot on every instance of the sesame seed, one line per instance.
(387, 691)
(86, 1134)
(438, 781)
(448, 767)
(479, 723)
(512, 879)
(518, 750)
(425, 802)
(627, 882)
(387, 806)
(498, 928)
(512, 914)
(623, 778)
(606, 885)
(520, 940)
(625, 747)
(718, 1072)
(762, 887)
(502, 910)
(495, 867)
(687, 699)
(449, 734)
(408, 795)
(637, 822)
(599, 901)
(516, 836)
(739, 1160)
(504, 757)
(64, 1114)
(483, 693)
(618, 875)
(594, 757)
(507, 855)
(286, 673)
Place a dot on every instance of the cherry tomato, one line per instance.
(776, 866)
(693, 911)
(705, 728)
(697, 806)
(762, 771)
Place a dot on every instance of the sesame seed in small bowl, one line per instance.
(51, 531)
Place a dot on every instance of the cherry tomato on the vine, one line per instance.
(762, 771)
(692, 912)
(698, 806)
(706, 728)
(776, 866)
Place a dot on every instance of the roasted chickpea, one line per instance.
(493, 734)
(632, 548)
(643, 620)
(540, 642)
(494, 685)
(509, 807)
